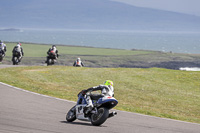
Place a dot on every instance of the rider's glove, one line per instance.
(84, 92)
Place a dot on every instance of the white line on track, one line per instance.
(75, 102)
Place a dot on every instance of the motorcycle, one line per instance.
(98, 115)
(16, 58)
(51, 59)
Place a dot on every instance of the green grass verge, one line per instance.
(38, 50)
(35, 54)
(158, 92)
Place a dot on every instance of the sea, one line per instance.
(166, 41)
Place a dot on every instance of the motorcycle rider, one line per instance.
(52, 50)
(106, 90)
(18, 49)
(78, 63)
(3, 48)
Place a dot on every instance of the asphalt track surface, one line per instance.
(26, 112)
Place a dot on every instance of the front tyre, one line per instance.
(48, 62)
(15, 61)
(100, 117)
(1, 58)
(71, 115)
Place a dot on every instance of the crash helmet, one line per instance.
(78, 59)
(108, 83)
(53, 46)
(19, 44)
(1, 42)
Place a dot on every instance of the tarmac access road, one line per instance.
(27, 112)
(5, 66)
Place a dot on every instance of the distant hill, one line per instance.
(10, 29)
(91, 14)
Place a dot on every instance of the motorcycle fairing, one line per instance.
(107, 101)
(79, 112)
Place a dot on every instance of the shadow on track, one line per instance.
(77, 123)
(80, 123)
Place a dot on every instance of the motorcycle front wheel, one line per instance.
(15, 61)
(48, 62)
(71, 115)
(100, 117)
(1, 58)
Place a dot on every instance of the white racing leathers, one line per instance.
(105, 91)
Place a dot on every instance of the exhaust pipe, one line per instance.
(112, 114)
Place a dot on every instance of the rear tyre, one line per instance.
(71, 115)
(100, 117)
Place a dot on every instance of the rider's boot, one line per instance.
(20, 58)
(89, 105)
(3, 53)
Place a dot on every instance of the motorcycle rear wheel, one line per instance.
(71, 115)
(100, 117)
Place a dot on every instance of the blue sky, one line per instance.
(182, 6)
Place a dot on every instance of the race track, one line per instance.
(26, 112)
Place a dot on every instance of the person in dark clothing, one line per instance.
(18, 51)
(3, 48)
(52, 53)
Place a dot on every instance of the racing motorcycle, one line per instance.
(16, 58)
(98, 115)
(51, 59)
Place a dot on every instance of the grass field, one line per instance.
(154, 91)
(38, 50)
(35, 54)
